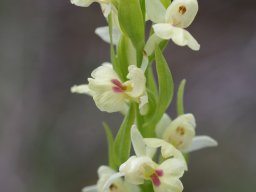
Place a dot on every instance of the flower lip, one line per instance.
(159, 172)
(155, 177)
(182, 10)
(119, 87)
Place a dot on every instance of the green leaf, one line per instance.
(180, 97)
(143, 8)
(152, 93)
(162, 46)
(165, 81)
(126, 55)
(132, 24)
(139, 119)
(147, 186)
(115, 3)
(151, 84)
(166, 87)
(152, 103)
(111, 153)
(123, 141)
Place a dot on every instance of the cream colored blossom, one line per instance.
(170, 23)
(118, 185)
(110, 93)
(164, 176)
(181, 133)
(139, 168)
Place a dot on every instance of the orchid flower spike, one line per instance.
(110, 93)
(170, 23)
(118, 185)
(139, 168)
(181, 133)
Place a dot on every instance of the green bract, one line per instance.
(132, 24)
(165, 91)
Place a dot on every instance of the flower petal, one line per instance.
(162, 125)
(82, 3)
(155, 11)
(181, 131)
(103, 33)
(163, 30)
(109, 101)
(105, 170)
(81, 89)
(167, 149)
(92, 188)
(200, 142)
(173, 168)
(139, 145)
(151, 44)
(130, 187)
(134, 169)
(111, 179)
(104, 73)
(170, 185)
(182, 37)
(137, 80)
(181, 13)
(106, 8)
(178, 35)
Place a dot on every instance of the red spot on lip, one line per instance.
(155, 177)
(119, 87)
(155, 180)
(159, 172)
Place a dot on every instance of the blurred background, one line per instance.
(52, 140)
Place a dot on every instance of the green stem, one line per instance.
(139, 119)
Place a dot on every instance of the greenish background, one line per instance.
(51, 140)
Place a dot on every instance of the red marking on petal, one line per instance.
(119, 87)
(159, 172)
(117, 90)
(117, 82)
(155, 180)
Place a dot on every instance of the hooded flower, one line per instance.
(164, 176)
(118, 185)
(110, 93)
(170, 23)
(181, 133)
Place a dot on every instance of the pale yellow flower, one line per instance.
(110, 93)
(181, 133)
(170, 23)
(118, 185)
(137, 169)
